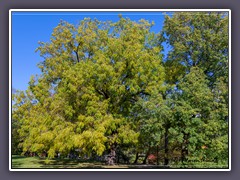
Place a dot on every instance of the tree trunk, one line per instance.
(166, 160)
(111, 159)
(146, 156)
(136, 159)
(157, 156)
(184, 152)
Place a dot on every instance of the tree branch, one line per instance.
(76, 52)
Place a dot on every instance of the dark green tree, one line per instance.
(197, 39)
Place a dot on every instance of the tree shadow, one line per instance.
(69, 163)
(146, 166)
(18, 157)
(16, 164)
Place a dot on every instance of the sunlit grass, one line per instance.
(21, 162)
(36, 162)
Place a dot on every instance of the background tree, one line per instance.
(197, 39)
(196, 66)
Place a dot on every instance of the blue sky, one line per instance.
(28, 28)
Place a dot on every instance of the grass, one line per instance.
(36, 162)
(21, 162)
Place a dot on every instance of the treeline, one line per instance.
(107, 89)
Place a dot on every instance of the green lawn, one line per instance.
(23, 162)
(36, 162)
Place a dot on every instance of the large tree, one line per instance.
(92, 75)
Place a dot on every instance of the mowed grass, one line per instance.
(23, 162)
(19, 162)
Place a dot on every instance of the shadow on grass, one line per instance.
(18, 157)
(17, 164)
(36, 162)
(68, 163)
(146, 166)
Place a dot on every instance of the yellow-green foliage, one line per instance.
(91, 75)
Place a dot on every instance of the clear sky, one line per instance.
(30, 27)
